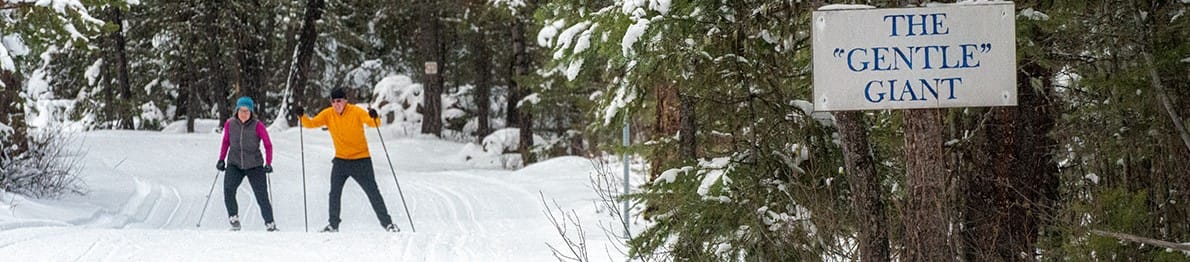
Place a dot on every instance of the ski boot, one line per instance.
(329, 229)
(235, 223)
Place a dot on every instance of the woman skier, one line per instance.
(242, 137)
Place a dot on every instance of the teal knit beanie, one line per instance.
(246, 102)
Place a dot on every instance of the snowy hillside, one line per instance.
(147, 190)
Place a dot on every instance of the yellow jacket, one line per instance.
(347, 130)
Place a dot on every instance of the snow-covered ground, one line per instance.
(147, 190)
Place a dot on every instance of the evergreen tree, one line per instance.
(1122, 151)
(33, 30)
(762, 164)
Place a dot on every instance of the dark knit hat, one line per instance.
(338, 92)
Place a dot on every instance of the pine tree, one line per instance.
(300, 72)
(1121, 151)
(737, 69)
(31, 30)
(432, 53)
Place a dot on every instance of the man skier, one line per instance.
(346, 123)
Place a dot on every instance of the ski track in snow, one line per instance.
(90, 248)
(19, 239)
(150, 205)
(145, 203)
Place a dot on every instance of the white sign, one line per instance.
(431, 67)
(950, 56)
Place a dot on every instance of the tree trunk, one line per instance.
(109, 114)
(1010, 195)
(1143, 240)
(517, 69)
(924, 216)
(689, 139)
(215, 84)
(191, 101)
(305, 50)
(988, 209)
(483, 84)
(12, 113)
(526, 137)
(1163, 97)
(866, 197)
(431, 49)
(188, 95)
(250, 55)
(668, 123)
(925, 221)
(1033, 190)
(520, 69)
(121, 66)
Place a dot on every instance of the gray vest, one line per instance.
(244, 151)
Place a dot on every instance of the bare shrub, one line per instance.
(606, 185)
(48, 169)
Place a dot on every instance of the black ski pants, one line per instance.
(361, 171)
(259, 183)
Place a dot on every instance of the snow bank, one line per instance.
(397, 96)
(506, 140)
(498, 150)
(200, 126)
(556, 166)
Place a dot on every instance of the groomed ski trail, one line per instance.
(148, 188)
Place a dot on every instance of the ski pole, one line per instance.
(394, 171)
(208, 202)
(302, 148)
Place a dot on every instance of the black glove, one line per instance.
(298, 111)
(268, 168)
(372, 113)
(221, 165)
